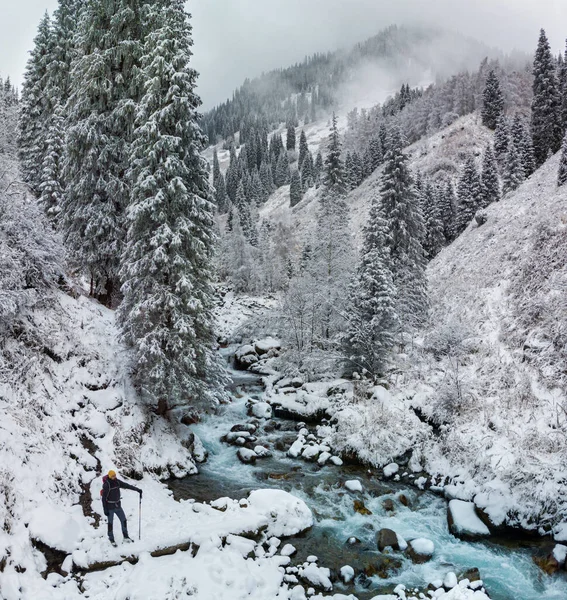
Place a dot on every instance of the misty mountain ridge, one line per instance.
(414, 55)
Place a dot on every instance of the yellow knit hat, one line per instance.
(112, 474)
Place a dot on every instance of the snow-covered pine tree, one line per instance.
(221, 199)
(333, 252)
(434, 230)
(216, 168)
(563, 89)
(522, 139)
(318, 170)
(283, 174)
(166, 314)
(290, 137)
(295, 189)
(492, 101)
(372, 317)
(404, 219)
(303, 149)
(513, 173)
(65, 20)
(501, 139)
(562, 175)
(51, 186)
(36, 107)
(267, 180)
(448, 210)
(469, 194)
(105, 89)
(307, 172)
(489, 178)
(232, 177)
(546, 105)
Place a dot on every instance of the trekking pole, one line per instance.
(140, 519)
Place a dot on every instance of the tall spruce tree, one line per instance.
(372, 317)
(489, 178)
(469, 194)
(448, 210)
(501, 139)
(546, 105)
(106, 87)
(36, 107)
(522, 139)
(216, 168)
(303, 149)
(51, 186)
(434, 230)
(166, 314)
(562, 175)
(332, 249)
(402, 212)
(290, 137)
(513, 173)
(563, 89)
(492, 101)
(295, 189)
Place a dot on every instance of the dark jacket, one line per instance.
(111, 492)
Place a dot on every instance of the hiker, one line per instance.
(110, 494)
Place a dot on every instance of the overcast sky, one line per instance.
(235, 39)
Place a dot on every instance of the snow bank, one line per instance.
(286, 514)
(464, 521)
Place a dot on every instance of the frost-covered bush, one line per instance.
(446, 339)
(30, 253)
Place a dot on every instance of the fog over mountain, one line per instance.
(275, 33)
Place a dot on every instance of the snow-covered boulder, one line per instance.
(463, 521)
(287, 514)
(353, 485)
(260, 410)
(245, 357)
(296, 448)
(347, 573)
(391, 469)
(318, 577)
(262, 452)
(420, 550)
(323, 458)
(311, 452)
(450, 581)
(267, 345)
(246, 456)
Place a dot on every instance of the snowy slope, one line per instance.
(490, 370)
(444, 151)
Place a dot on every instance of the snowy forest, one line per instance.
(320, 328)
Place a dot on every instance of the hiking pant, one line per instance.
(119, 512)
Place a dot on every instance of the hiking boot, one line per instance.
(127, 539)
(113, 543)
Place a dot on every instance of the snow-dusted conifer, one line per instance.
(333, 249)
(448, 210)
(168, 297)
(303, 149)
(290, 137)
(295, 189)
(469, 194)
(36, 107)
(402, 212)
(501, 139)
(221, 199)
(318, 170)
(492, 101)
(489, 178)
(546, 105)
(563, 89)
(216, 168)
(521, 136)
(65, 20)
(562, 175)
(513, 173)
(372, 317)
(283, 174)
(105, 89)
(307, 167)
(434, 229)
(51, 186)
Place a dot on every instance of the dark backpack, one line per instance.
(102, 488)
